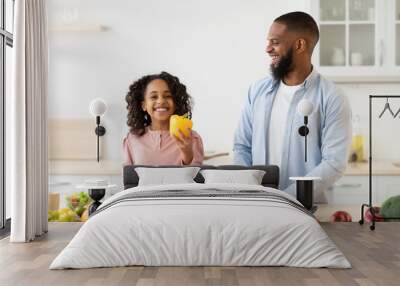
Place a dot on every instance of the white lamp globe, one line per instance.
(305, 107)
(97, 107)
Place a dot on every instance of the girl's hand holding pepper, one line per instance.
(185, 144)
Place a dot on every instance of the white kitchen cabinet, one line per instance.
(387, 186)
(397, 32)
(349, 190)
(355, 189)
(359, 39)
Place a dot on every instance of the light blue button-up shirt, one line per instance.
(328, 142)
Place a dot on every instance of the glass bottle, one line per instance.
(357, 144)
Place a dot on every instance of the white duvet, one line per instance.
(183, 231)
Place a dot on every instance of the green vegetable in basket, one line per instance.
(79, 210)
(67, 215)
(53, 215)
(78, 202)
(83, 198)
(391, 207)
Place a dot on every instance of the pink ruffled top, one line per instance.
(158, 148)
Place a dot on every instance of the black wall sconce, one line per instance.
(305, 108)
(97, 108)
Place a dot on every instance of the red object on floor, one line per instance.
(368, 215)
(340, 216)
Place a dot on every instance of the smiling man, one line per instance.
(268, 129)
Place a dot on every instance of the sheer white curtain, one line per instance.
(27, 122)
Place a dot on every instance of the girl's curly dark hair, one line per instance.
(139, 119)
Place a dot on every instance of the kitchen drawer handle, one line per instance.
(356, 185)
(59, 184)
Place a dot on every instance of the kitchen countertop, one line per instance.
(84, 167)
(108, 167)
(105, 167)
(382, 168)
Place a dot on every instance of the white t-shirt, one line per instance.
(280, 108)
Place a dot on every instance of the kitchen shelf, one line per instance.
(79, 28)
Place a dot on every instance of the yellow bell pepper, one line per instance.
(181, 123)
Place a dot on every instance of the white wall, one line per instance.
(215, 47)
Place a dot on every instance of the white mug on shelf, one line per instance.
(356, 59)
(338, 57)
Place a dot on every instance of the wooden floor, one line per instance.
(374, 255)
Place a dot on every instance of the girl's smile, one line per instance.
(158, 103)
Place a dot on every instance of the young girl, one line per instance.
(151, 102)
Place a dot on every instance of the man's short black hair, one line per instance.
(302, 23)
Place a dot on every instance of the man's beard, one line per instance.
(284, 66)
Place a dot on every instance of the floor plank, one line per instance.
(374, 255)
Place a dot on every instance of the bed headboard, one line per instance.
(270, 179)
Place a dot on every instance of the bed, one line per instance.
(201, 224)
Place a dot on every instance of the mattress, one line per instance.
(201, 225)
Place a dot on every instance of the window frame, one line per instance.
(6, 39)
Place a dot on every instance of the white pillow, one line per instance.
(163, 176)
(248, 177)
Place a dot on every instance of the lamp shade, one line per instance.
(97, 107)
(305, 107)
